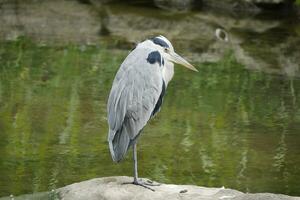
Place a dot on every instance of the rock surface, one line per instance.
(113, 188)
(175, 5)
(249, 6)
(48, 21)
(196, 34)
(192, 34)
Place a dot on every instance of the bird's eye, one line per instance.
(166, 49)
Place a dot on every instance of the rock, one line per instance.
(192, 34)
(194, 37)
(233, 6)
(113, 188)
(49, 21)
(175, 5)
(248, 6)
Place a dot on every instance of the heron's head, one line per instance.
(165, 48)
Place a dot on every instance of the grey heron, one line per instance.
(137, 94)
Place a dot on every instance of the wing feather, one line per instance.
(133, 97)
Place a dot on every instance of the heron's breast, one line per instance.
(168, 72)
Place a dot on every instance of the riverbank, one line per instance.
(113, 188)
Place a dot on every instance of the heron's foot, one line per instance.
(143, 184)
(150, 182)
(139, 183)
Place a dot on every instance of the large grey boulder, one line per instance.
(113, 188)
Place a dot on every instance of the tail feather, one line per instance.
(118, 144)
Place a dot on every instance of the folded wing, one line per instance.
(135, 97)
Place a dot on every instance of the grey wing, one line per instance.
(133, 97)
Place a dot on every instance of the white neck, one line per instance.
(168, 72)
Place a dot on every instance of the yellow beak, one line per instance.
(181, 61)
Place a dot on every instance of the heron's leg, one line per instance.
(147, 182)
(135, 179)
(135, 172)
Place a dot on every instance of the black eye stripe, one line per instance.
(155, 57)
(160, 42)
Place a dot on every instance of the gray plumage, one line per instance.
(135, 92)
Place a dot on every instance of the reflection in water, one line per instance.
(73, 107)
(225, 126)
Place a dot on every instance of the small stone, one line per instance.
(183, 191)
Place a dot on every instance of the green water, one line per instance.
(224, 126)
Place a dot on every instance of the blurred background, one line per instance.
(236, 123)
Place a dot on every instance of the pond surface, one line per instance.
(228, 125)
